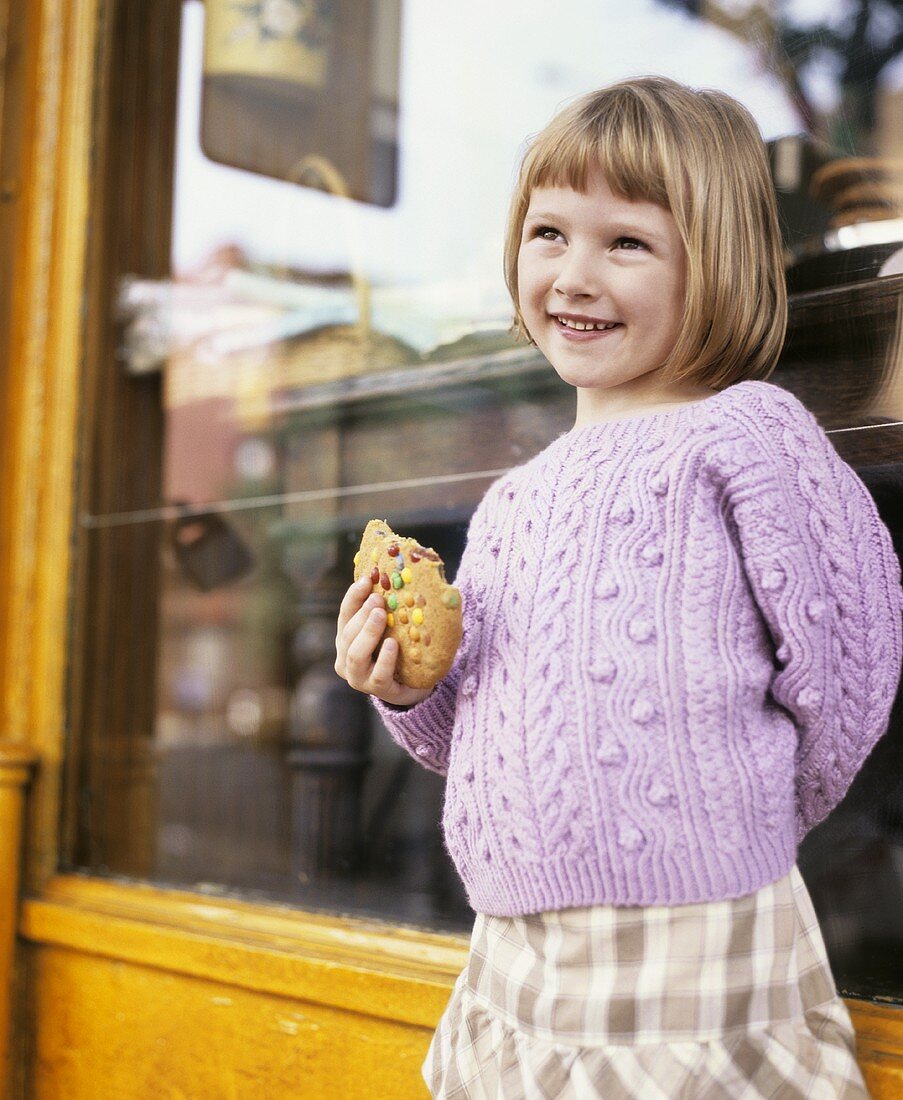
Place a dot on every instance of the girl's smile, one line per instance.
(601, 283)
(577, 326)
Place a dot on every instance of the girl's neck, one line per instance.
(622, 407)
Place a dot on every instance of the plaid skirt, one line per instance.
(718, 1000)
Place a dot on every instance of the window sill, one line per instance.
(396, 973)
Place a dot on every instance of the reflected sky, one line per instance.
(476, 80)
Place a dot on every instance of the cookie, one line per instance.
(424, 611)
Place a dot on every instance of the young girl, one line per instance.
(682, 639)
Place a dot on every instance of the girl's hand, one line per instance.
(362, 620)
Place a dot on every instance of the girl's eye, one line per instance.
(631, 244)
(546, 232)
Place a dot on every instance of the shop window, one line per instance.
(298, 322)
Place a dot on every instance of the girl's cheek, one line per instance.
(530, 265)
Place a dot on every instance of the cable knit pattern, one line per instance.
(683, 635)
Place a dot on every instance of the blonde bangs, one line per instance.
(564, 155)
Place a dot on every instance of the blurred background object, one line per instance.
(287, 78)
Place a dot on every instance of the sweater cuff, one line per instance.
(423, 730)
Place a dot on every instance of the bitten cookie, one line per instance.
(424, 611)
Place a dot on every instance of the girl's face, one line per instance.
(600, 260)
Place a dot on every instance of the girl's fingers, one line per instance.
(354, 625)
(358, 642)
(382, 675)
(359, 655)
(356, 606)
(354, 597)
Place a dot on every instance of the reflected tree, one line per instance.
(854, 49)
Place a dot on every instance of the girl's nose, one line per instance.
(577, 277)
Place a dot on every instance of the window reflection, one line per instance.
(323, 360)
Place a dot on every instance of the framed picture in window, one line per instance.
(287, 80)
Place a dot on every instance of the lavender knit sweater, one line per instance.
(682, 637)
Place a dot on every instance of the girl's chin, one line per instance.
(586, 373)
(598, 378)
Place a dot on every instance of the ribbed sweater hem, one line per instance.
(573, 882)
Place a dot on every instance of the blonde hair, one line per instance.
(700, 155)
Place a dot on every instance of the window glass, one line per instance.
(330, 343)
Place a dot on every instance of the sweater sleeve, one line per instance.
(823, 571)
(425, 729)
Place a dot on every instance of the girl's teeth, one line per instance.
(580, 326)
